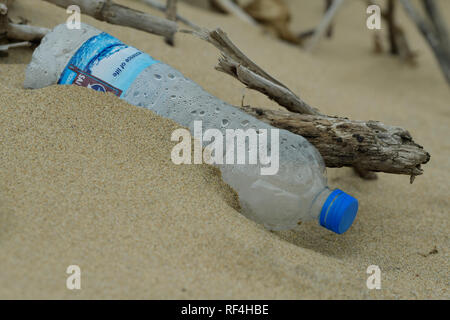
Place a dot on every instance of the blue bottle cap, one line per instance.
(338, 211)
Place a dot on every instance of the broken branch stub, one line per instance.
(369, 145)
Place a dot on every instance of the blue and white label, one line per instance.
(105, 64)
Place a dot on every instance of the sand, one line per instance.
(86, 179)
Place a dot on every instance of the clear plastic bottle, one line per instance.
(297, 192)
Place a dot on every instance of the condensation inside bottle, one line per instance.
(277, 201)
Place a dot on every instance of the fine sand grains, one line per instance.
(86, 179)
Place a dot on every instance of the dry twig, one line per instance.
(237, 64)
(324, 24)
(398, 43)
(4, 18)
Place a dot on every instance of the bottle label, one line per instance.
(105, 64)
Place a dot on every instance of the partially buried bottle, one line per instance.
(279, 199)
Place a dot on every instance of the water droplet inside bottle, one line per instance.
(171, 76)
(244, 123)
(194, 111)
(224, 122)
(217, 110)
(173, 96)
(158, 76)
(202, 113)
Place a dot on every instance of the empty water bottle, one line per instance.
(297, 192)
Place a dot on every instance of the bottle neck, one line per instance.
(318, 202)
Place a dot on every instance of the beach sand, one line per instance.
(86, 179)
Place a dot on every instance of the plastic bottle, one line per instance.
(298, 192)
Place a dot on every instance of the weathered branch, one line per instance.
(438, 22)
(109, 11)
(26, 32)
(324, 24)
(309, 33)
(171, 14)
(398, 43)
(5, 47)
(390, 17)
(432, 38)
(232, 8)
(155, 4)
(238, 65)
(367, 145)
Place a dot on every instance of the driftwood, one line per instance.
(369, 145)
(328, 4)
(17, 31)
(235, 63)
(4, 17)
(109, 11)
(309, 33)
(232, 8)
(171, 14)
(438, 22)
(26, 32)
(5, 47)
(365, 145)
(434, 34)
(324, 25)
